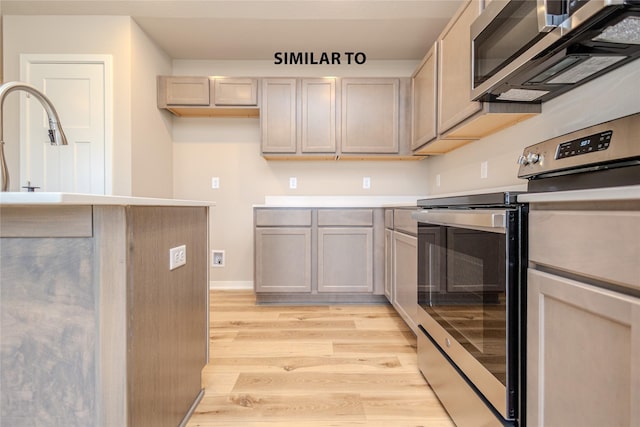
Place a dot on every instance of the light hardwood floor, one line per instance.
(312, 366)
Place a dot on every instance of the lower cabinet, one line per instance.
(345, 259)
(401, 264)
(405, 269)
(583, 314)
(319, 255)
(583, 354)
(283, 259)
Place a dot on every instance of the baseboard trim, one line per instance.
(231, 285)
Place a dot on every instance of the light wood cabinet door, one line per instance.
(388, 264)
(583, 354)
(454, 76)
(345, 259)
(318, 115)
(283, 259)
(405, 268)
(186, 91)
(370, 115)
(424, 89)
(278, 116)
(231, 91)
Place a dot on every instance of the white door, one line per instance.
(77, 91)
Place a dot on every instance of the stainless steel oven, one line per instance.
(471, 270)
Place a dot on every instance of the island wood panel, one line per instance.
(302, 366)
(172, 377)
(48, 332)
(55, 221)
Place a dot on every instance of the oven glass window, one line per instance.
(461, 285)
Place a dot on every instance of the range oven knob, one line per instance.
(533, 158)
(529, 159)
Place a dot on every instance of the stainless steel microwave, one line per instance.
(535, 50)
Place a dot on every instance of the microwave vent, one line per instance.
(522, 95)
(626, 31)
(585, 69)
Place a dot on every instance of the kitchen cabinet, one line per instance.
(459, 119)
(298, 118)
(345, 250)
(232, 91)
(332, 118)
(583, 333)
(405, 266)
(198, 96)
(319, 255)
(370, 116)
(401, 249)
(278, 118)
(100, 331)
(425, 96)
(388, 254)
(283, 251)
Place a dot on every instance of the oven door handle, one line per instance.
(486, 219)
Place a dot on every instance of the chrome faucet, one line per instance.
(56, 134)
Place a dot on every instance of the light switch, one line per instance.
(366, 182)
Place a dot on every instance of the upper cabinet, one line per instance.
(330, 118)
(459, 119)
(425, 96)
(208, 96)
(370, 115)
(298, 117)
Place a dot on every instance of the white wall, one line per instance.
(141, 133)
(229, 148)
(151, 128)
(613, 95)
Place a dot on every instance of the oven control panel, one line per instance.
(597, 142)
(608, 143)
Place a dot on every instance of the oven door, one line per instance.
(468, 296)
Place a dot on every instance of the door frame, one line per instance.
(26, 60)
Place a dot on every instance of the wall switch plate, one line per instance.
(217, 258)
(438, 180)
(484, 169)
(215, 182)
(177, 257)
(293, 182)
(366, 182)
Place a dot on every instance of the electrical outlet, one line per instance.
(366, 182)
(177, 257)
(438, 180)
(215, 182)
(484, 169)
(217, 258)
(293, 182)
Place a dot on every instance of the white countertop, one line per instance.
(631, 192)
(337, 201)
(45, 198)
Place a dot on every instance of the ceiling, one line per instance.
(256, 29)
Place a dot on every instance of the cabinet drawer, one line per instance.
(609, 239)
(283, 217)
(402, 221)
(345, 217)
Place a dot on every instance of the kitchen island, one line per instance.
(96, 329)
